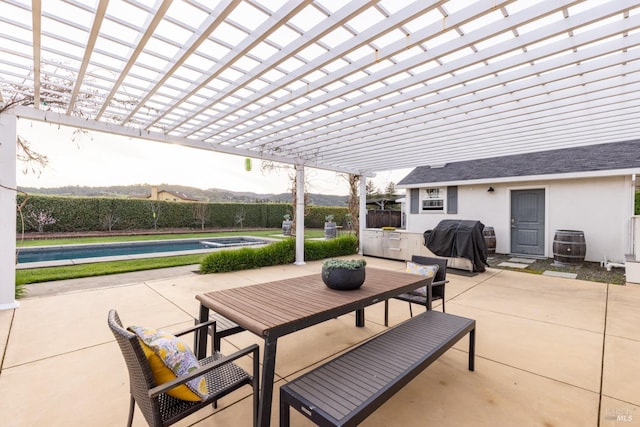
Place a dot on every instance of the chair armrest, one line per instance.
(163, 388)
(195, 328)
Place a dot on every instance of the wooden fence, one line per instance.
(383, 218)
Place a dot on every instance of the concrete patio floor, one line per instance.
(549, 351)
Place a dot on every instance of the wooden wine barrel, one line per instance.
(569, 247)
(490, 240)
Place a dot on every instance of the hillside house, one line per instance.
(167, 196)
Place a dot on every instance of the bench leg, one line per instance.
(285, 420)
(386, 312)
(360, 318)
(472, 349)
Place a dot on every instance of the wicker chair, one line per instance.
(437, 286)
(159, 409)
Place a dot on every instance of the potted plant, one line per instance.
(286, 225)
(329, 227)
(343, 274)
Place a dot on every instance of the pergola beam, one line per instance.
(316, 33)
(421, 36)
(399, 91)
(223, 10)
(364, 87)
(268, 27)
(36, 7)
(93, 36)
(495, 105)
(135, 54)
(116, 129)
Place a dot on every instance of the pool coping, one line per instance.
(92, 260)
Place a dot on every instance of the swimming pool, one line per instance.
(76, 254)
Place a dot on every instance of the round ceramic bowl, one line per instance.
(343, 279)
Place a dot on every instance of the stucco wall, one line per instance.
(600, 207)
(168, 197)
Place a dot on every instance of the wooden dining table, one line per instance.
(273, 309)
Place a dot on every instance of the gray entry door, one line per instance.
(527, 222)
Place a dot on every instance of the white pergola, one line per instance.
(357, 87)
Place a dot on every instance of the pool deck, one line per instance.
(549, 351)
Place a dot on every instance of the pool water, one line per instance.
(95, 250)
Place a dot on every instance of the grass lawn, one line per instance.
(47, 274)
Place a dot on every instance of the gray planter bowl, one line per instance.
(343, 279)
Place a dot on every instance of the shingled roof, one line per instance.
(593, 158)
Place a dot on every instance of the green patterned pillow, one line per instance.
(170, 358)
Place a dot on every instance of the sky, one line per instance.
(98, 159)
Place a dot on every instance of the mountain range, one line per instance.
(208, 195)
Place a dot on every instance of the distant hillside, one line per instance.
(209, 195)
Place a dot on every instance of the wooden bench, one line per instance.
(347, 389)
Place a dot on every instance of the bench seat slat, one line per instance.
(345, 390)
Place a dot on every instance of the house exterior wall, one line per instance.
(168, 197)
(600, 207)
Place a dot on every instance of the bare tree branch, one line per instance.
(31, 160)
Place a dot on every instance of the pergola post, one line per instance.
(362, 223)
(299, 215)
(8, 183)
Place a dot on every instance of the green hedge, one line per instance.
(278, 253)
(93, 213)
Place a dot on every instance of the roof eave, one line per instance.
(543, 177)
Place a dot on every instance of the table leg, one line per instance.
(472, 349)
(201, 343)
(268, 374)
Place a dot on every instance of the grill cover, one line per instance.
(459, 238)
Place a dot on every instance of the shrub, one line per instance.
(98, 213)
(321, 249)
(278, 253)
(20, 290)
(225, 261)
